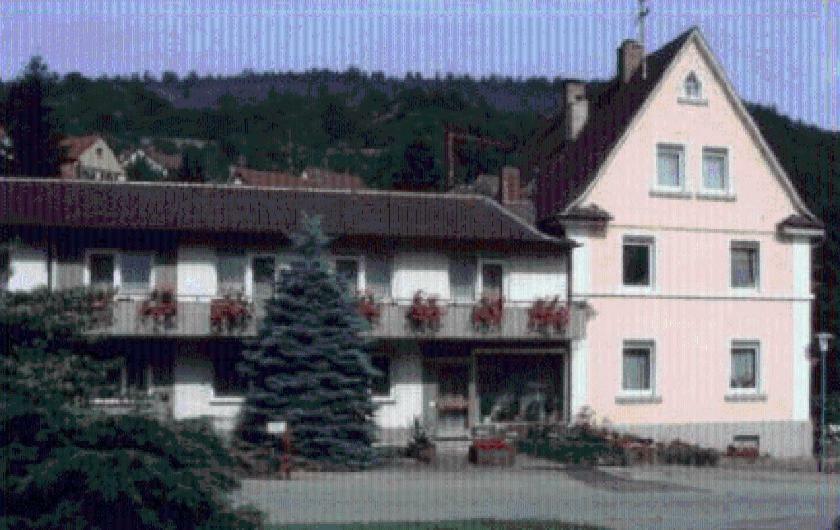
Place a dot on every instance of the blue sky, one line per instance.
(777, 52)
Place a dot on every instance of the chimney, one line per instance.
(630, 57)
(575, 108)
(509, 185)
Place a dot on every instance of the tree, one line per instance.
(30, 126)
(66, 466)
(309, 365)
(192, 168)
(419, 171)
(142, 171)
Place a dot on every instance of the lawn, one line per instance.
(482, 524)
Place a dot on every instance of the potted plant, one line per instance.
(102, 307)
(231, 312)
(546, 315)
(487, 314)
(367, 307)
(425, 313)
(160, 308)
(420, 446)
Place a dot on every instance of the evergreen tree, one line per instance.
(30, 125)
(309, 365)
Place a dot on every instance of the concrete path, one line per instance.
(657, 497)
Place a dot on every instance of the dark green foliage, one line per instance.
(65, 466)
(66, 470)
(141, 171)
(419, 168)
(44, 351)
(310, 366)
(29, 121)
(580, 444)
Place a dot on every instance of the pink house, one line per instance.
(694, 255)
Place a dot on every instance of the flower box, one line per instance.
(492, 451)
(488, 312)
(367, 307)
(424, 314)
(546, 315)
(230, 313)
(160, 308)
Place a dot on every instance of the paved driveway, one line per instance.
(661, 497)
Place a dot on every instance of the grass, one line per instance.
(475, 524)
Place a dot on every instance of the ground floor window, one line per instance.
(381, 385)
(744, 368)
(226, 378)
(520, 388)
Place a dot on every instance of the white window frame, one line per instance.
(117, 253)
(360, 264)
(744, 243)
(637, 238)
(759, 373)
(479, 277)
(682, 189)
(649, 393)
(249, 269)
(728, 191)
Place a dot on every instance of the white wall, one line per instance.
(29, 268)
(406, 399)
(531, 277)
(196, 271)
(420, 271)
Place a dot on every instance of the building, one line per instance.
(89, 158)
(206, 241)
(311, 177)
(164, 164)
(694, 253)
(662, 222)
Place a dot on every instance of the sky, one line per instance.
(784, 53)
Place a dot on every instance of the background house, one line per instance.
(89, 158)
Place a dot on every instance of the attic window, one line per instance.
(692, 88)
(98, 152)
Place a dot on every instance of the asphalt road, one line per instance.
(659, 497)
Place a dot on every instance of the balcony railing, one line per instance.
(193, 319)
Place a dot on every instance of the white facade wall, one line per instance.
(415, 271)
(398, 410)
(529, 278)
(30, 268)
(197, 272)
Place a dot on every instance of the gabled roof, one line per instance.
(262, 210)
(74, 146)
(573, 167)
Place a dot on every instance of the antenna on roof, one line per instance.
(640, 21)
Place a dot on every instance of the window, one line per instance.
(231, 273)
(381, 385)
(378, 276)
(135, 273)
(102, 270)
(637, 367)
(637, 262)
(226, 378)
(519, 387)
(692, 89)
(745, 267)
(462, 278)
(670, 166)
(347, 271)
(715, 170)
(5, 267)
(263, 270)
(743, 374)
(491, 279)
(98, 152)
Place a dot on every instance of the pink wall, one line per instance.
(692, 314)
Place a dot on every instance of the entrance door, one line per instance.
(452, 400)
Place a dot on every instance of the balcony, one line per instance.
(193, 319)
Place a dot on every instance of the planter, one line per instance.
(547, 315)
(487, 314)
(425, 313)
(368, 308)
(231, 314)
(160, 309)
(492, 452)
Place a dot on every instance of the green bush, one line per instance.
(88, 471)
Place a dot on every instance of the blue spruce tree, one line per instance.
(309, 365)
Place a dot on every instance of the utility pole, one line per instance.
(640, 21)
